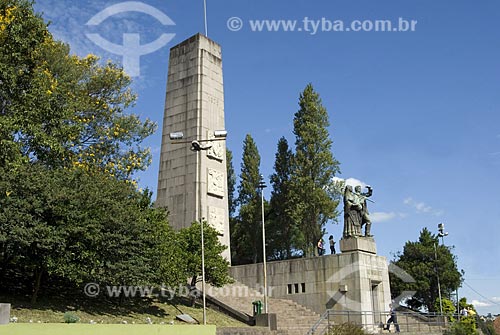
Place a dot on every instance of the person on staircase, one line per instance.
(393, 319)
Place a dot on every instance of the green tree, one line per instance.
(65, 223)
(216, 266)
(282, 230)
(246, 237)
(419, 260)
(60, 109)
(231, 183)
(314, 167)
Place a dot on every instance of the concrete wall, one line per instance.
(193, 185)
(350, 281)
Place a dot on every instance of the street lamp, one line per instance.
(263, 185)
(442, 234)
(198, 146)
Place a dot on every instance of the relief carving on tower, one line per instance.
(215, 182)
(216, 151)
(216, 218)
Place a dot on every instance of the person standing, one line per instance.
(321, 248)
(332, 245)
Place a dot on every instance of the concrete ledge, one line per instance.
(266, 320)
(366, 244)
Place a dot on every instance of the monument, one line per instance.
(353, 284)
(193, 184)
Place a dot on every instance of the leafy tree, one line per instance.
(314, 167)
(418, 259)
(282, 229)
(69, 224)
(449, 308)
(68, 152)
(216, 266)
(63, 110)
(246, 238)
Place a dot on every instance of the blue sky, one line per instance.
(415, 114)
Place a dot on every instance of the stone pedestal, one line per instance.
(366, 244)
(266, 320)
(4, 314)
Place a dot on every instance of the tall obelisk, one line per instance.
(193, 185)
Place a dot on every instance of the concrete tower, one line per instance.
(193, 185)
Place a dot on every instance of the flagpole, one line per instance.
(205, 15)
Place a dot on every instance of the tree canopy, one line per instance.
(313, 169)
(283, 230)
(70, 208)
(246, 237)
(425, 260)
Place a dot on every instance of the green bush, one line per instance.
(70, 318)
(464, 327)
(346, 329)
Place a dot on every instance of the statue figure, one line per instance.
(356, 212)
(361, 200)
(352, 214)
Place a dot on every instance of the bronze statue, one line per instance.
(356, 212)
(361, 199)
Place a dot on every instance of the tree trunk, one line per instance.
(38, 279)
(192, 290)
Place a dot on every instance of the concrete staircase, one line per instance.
(295, 319)
(413, 323)
(292, 318)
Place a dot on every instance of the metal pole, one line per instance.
(203, 274)
(264, 250)
(205, 16)
(439, 285)
(203, 282)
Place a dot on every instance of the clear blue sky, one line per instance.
(414, 114)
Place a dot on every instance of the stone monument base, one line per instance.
(360, 243)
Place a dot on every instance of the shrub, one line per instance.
(70, 318)
(346, 329)
(461, 328)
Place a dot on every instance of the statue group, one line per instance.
(356, 212)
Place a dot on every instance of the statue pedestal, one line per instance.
(360, 243)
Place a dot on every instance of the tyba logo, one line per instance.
(131, 50)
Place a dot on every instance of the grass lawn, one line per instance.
(134, 311)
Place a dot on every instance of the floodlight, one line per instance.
(176, 136)
(220, 133)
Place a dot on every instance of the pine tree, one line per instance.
(231, 183)
(282, 230)
(314, 167)
(246, 240)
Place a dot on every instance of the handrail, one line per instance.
(323, 317)
(376, 320)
